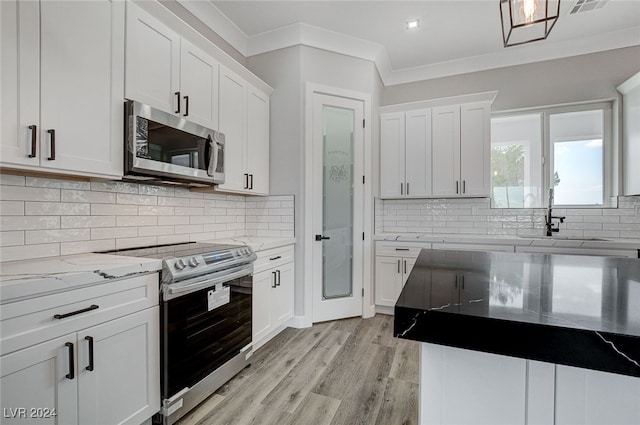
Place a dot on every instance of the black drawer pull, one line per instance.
(73, 313)
(186, 106)
(246, 181)
(278, 274)
(275, 258)
(71, 373)
(402, 249)
(177, 94)
(34, 135)
(251, 180)
(273, 280)
(90, 339)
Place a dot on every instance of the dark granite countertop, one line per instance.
(573, 310)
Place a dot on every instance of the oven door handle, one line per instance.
(175, 290)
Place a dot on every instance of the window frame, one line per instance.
(609, 148)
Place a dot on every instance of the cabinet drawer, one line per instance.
(32, 321)
(274, 257)
(400, 249)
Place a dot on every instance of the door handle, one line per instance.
(34, 135)
(178, 99)
(273, 275)
(278, 276)
(246, 181)
(71, 373)
(90, 340)
(186, 106)
(320, 237)
(52, 132)
(251, 180)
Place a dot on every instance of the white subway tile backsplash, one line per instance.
(56, 208)
(41, 217)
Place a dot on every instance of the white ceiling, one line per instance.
(455, 36)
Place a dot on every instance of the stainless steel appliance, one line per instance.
(205, 320)
(166, 148)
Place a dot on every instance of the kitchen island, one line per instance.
(524, 338)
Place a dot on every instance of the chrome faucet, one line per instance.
(548, 218)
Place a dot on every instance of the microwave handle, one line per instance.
(211, 168)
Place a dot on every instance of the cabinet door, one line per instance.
(446, 150)
(469, 387)
(20, 79)
(232, 123)
(82, 73)
(475, 149)
(36, 377)
(407, 266)
(388, 280)
(392, 155)
(198, 86)
(152, 61)
(258, 141)
(124, 385)
(418, 153)
(282, 295)
(263, 283)
(588, 397)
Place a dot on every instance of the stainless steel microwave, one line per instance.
(162, 147)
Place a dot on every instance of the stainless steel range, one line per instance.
(205, 320)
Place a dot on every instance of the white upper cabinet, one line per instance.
(461, 150)
(62, 86)
(630, 134)
(165, 71)
(244, 121)
(405, 154)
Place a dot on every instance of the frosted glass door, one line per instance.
(337, 202)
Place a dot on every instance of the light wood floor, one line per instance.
(344, 372)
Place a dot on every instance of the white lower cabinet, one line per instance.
(459, 386)
(394, 262)
(273, 292)
(102, 374)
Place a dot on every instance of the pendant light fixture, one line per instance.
(524, 21)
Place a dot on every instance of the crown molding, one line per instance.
(312, 36)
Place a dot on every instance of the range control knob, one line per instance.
(193, 262)
(180, 264)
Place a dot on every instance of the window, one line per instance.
(576, 141)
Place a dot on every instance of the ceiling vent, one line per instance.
(587, 5)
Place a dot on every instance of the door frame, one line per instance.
(368, 306)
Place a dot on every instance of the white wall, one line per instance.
(575, 79)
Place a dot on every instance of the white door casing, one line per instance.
(325, 308)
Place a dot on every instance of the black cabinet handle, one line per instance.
(90, 339)
(407, 188)
(273, 275)
(405, 266)
(251, 177)
(456, 186)
(34, 135)
(398, 266)
(320, 237)
(178, 99)
(73, 313)
(462, 279)
(401, 188)
(52, 132)
(246, 181)
(186, 106)
(72, 361)
(278, 275)
(464, 186)
(402, 249)
(275, 258)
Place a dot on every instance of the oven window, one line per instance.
(158, 142)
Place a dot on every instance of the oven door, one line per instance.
(202, 330)
(164, 145)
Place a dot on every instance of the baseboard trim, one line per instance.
(383, 309)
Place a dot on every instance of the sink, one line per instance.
(562, 238)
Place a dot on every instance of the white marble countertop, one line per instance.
(533, 240)
(28, 278)
(256, 243)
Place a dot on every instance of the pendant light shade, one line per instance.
(524, 21)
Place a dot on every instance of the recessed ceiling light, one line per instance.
(413, 24)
